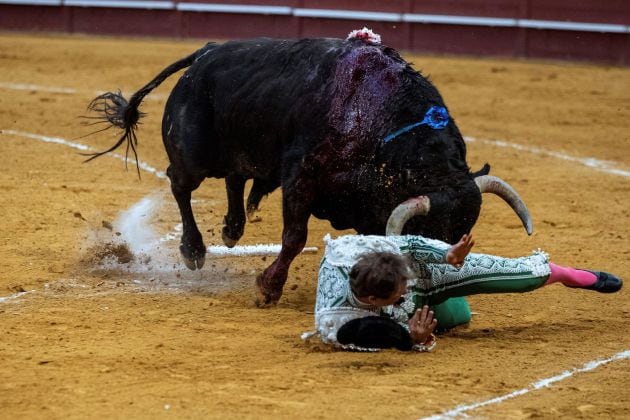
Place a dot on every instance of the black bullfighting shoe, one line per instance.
(606, 282)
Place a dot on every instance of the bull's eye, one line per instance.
(436, 117)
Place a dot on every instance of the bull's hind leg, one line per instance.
(234, 220)
(191, 247)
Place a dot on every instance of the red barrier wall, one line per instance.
(597, 31)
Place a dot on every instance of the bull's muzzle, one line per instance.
(421, 205)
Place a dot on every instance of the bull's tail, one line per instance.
(116, 111)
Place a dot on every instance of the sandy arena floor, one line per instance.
(149, 339)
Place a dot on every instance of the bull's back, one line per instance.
(244, 103)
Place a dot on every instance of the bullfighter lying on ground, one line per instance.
(374, 291)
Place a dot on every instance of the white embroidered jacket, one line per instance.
(336, 304)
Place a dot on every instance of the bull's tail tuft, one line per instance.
(116, 111)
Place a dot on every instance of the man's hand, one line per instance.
(456, 253)
(421, 325)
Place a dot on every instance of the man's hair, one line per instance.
(378, 274)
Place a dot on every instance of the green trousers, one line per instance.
(443, 287)
(452, 312)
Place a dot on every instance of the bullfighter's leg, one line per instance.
(484, 274)
(234, 220)
(191, 247)
(296, 210)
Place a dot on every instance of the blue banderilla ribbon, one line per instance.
(436, 117)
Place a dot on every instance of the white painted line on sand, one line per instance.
(599, 165)
(174, 234)
(4, 299)
(461, 410)
(222, 251)
(219, 251)
(35, 88)
(69, 91)
(79, 146)
(47, 139)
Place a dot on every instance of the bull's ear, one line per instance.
(375, 332)
(483, 171)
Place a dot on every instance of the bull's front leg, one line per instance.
(191, 247)
(271, 282)
(296, 210)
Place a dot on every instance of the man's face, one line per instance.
(400, 290)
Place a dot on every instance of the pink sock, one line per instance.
(570, 276)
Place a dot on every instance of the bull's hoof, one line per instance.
(266, 298)
(194, 264)
(193, 260)
(232, 231)
(252, 217)
(264, 301)
(229, 242)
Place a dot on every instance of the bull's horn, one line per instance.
(418, 206)
(492, 184)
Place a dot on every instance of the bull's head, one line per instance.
(426, 154)
(433, 163)
(393, 132)
(449, 210)
(421, 205)
(428, 158)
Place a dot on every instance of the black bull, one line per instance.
(312, 116)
